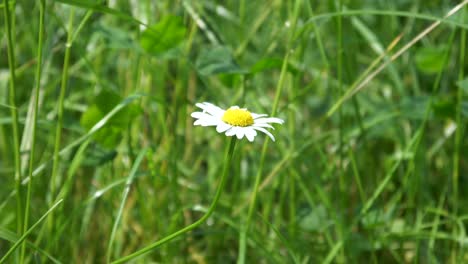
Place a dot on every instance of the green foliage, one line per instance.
(116, 38)
(216, 60)
(270, 64)
(316, 220)
(431, 59)
(163, 36)
(111, 135)
(381, 179)
(463, 84)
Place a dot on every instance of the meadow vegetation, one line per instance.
(99, 157)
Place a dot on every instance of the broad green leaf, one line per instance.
(88, 119)
(104, 102)
(361, 243)
(117, 38)
(431, 59)
(100, 6)
(464, 109)
(413, 107)
(271, 63)
(217, 60)
(98, 156)
(463, 84)
(317, 220)
(163, 36)
(375, 218)
(266, 64)
(444, 107)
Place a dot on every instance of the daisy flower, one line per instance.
(234, 121)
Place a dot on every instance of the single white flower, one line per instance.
(234, 121)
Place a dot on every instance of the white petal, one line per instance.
(198, 122)
(250, 134)
(269, 120)
(265, 131)
(222, 127)
(255, 116)
(205, 105)
(211, 108)
(200, 115)
(231, 132)
(263, 125)
(206, 122)
(240, 132)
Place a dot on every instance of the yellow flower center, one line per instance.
(238, 117)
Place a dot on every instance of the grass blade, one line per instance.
(125, 193)
(25, 235)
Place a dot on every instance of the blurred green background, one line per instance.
(373, 176)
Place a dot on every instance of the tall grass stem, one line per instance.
(279, 88)
(42, 4)
(14, 113)
(27, 232)
(59, 124)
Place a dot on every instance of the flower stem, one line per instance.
(227, 161)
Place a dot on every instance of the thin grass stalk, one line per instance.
(126, 191)
(459, 131)
(381, 12)
(58, 130)
(291, 181)
(14, 114)
(356, 88)
(422, 127)
(458, 121)
(242, 11)
(34, 120)
(279, 88)
(317, 33)
(27, 232)
(339, 92)
(414, 145)
(243, 234)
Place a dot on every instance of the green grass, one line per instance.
(100, 161)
